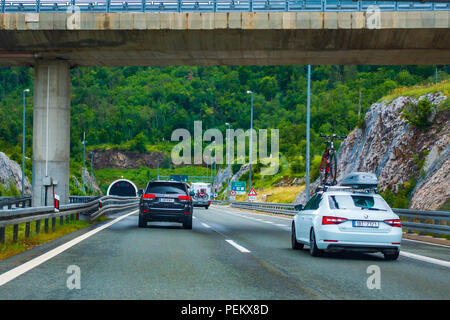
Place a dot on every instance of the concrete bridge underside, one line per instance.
(235, 38)
(52, 44)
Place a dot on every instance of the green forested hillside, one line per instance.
(115, 105)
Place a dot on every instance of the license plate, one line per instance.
(166, 200)
(365, 224)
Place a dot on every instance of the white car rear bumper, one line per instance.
(332, 238)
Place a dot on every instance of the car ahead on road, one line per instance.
(342, 219)
(166, 201)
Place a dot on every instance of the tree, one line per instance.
(138, 143)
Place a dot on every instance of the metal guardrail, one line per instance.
(15, 202)
(434, 227)
(91, 210)
(82, 199)
(23, 6)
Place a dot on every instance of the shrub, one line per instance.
(418, 114)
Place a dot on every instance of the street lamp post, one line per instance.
(92, 172)
(251, 140)
(308, 107)
(228, 160)
(84, 151)
(23, 143)
(215, 168)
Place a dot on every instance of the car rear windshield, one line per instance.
(166, 188)
(357, 202)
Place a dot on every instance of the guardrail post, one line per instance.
(67, 219)
(2, 235)
(436, 221)
(38, 226)
(53, 224)
(27, 229)
(3, 6)
(250, 6)
(15, 232)
(46, 225)
(61, 220)
(409, 220)
(421, 232)
(71, 217)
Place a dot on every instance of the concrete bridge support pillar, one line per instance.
(51, 131)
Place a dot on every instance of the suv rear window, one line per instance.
(166, 188)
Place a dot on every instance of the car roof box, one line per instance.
(360, 180)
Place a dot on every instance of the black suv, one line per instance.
(166, 201)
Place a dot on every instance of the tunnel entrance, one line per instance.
(122, 188)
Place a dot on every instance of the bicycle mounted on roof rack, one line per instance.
(328, 165)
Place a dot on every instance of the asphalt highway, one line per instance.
(229, 254)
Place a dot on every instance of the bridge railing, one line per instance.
(15, 202)
(66, 213)
(413, 220)
(10, 6)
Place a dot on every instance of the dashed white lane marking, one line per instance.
(425, 259)
(27, 266)
(205, 225)
(260, 220)
(194, 217)
(237, 246)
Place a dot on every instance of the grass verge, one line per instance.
(417, 91)
(275, 194)
(11, 248)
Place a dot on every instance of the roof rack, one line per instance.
(326, 188)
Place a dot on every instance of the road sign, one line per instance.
(238, 186)
(252, 195)
(232, 193)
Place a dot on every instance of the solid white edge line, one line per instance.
(423, 242)
(27, 266)
(425, 259)
(205, 225)
(237, 246)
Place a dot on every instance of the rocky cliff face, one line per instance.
(10, 171)
(397, 152)
(120, 159)
(394, 151)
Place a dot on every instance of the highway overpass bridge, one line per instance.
(185, 32)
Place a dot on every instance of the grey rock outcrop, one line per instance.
(10, 171)
(393, 149)
(124, 159)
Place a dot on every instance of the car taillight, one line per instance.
(332, 220)
(184, 197)
(148, 196)
(394, 222)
